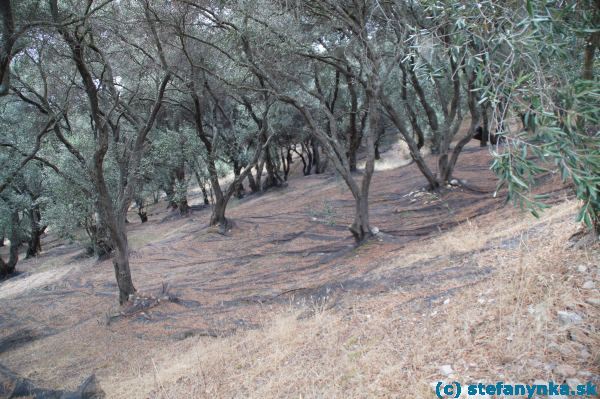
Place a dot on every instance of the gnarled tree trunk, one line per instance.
(7, 44)
(220, 201)
(273, 179)
(35, 239)
(139, 202)
(360, 227)
(286, 161)
(121, 265)
(217, 217)
(8, 267)
(253, 184)
(361, 230)
(319, 164)
(353, 135)
(202, 185)
(415, 153)
(181, 201)
(239, 186)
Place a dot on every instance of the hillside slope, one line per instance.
(493, 310)
(284, 305)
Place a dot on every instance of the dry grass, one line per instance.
(504, 328)
(20, 285)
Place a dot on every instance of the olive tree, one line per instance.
(548, 77)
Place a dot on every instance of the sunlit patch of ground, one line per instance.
(395, 157)
(23, 283)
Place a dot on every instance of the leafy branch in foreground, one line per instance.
(569, 139)
(558, 105)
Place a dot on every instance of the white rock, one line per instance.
(566, 317)
(565, 370)
(375, 230)
(454, 182)
(582, 268)
(446, 369)
(593, 301)
(588, 285)
(446, 301)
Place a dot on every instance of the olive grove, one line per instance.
(111, 105)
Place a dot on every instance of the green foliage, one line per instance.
(562, 112)
(525, 54)
(68, 210)
(569, 140)
(10, 204)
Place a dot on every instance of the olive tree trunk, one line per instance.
(8, 267)
(35, 239)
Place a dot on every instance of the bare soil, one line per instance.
(287, 247)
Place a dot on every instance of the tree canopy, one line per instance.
(112, 104)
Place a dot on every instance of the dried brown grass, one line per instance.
(504, 328)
